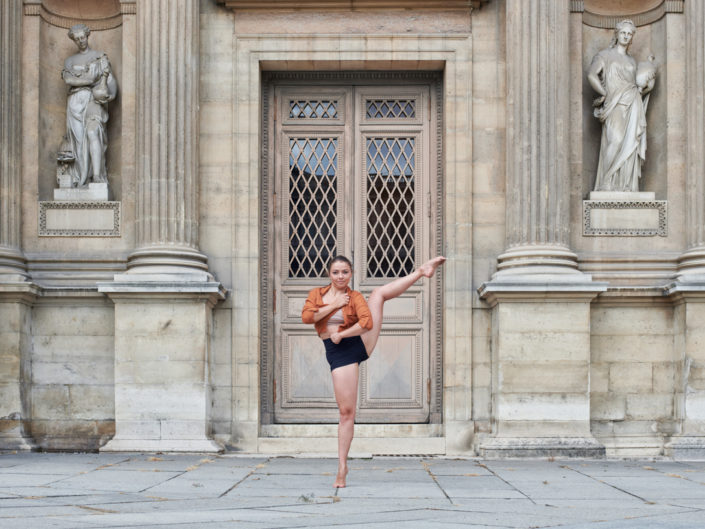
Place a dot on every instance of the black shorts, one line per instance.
(348, 351)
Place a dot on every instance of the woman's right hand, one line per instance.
(341, 299)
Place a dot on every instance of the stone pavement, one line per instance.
(153, 491)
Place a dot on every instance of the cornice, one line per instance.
(350, 5)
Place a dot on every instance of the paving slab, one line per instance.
(102, 491)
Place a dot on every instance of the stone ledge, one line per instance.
(361, 446)
(527, 447)
(161, 445)
(686, 448)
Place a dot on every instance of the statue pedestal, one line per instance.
(626, 214)
(93, 191)
(80, 212)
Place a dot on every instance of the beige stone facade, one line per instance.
(546, 334)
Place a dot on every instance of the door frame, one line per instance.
(268, 301)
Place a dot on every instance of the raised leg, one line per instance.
(389, 291)
(345, 388)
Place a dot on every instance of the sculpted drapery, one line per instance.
(91, 86)
(621, 107)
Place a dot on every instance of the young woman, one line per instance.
(350, 327)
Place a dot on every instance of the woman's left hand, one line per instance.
(335, 337)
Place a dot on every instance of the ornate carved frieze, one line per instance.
(606, 13)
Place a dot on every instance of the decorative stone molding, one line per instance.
(76, 217)
(607, 17)
(355, 5)
(659, 228)
(99, 21)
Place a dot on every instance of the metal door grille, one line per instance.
(313, 205)
(390, 206)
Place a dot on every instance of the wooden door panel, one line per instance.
(392, 381)
(306, 379)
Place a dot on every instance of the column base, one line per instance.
(686, 448)
(691, 266)
(12, 436)
(166, 259)
(13, 266)
(161, 445)
(528, 447)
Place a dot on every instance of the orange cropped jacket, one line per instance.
(354, 312)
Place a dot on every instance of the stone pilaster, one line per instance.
(167, 138)
(16, 293)
(12, 262)
(689, 289)
(163, 304)
(692, 262)
(539, 298)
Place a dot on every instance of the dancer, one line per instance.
(349, 327)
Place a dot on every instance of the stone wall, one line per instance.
(633, 377)
(72, 392)
(621, 360)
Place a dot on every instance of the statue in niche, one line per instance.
(623, 87)
(92, 86)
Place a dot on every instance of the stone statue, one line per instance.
(91, 86)
(623, 88)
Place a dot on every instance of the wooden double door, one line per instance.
(354, 174)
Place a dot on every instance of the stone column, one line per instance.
(12, 262)
(16, 293)
(540, 300)
(163, 304)
(538, 180)
(167, 138)
(689, 289)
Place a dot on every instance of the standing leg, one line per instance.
(345, 388)
(391, 290)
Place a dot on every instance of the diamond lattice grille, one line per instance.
(314, 109)
(313, 205)
(391, 108)
(391, 220)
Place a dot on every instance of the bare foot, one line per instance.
(428, 268)
(340, 478)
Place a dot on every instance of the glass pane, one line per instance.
(391, 108)
(313, 109)
(313, 203)
(391, 220)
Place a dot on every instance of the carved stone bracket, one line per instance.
(625, 218)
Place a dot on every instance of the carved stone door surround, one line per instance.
(352, 173)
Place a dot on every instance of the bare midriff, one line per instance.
(334, 323)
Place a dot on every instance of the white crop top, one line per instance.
(336, 318)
